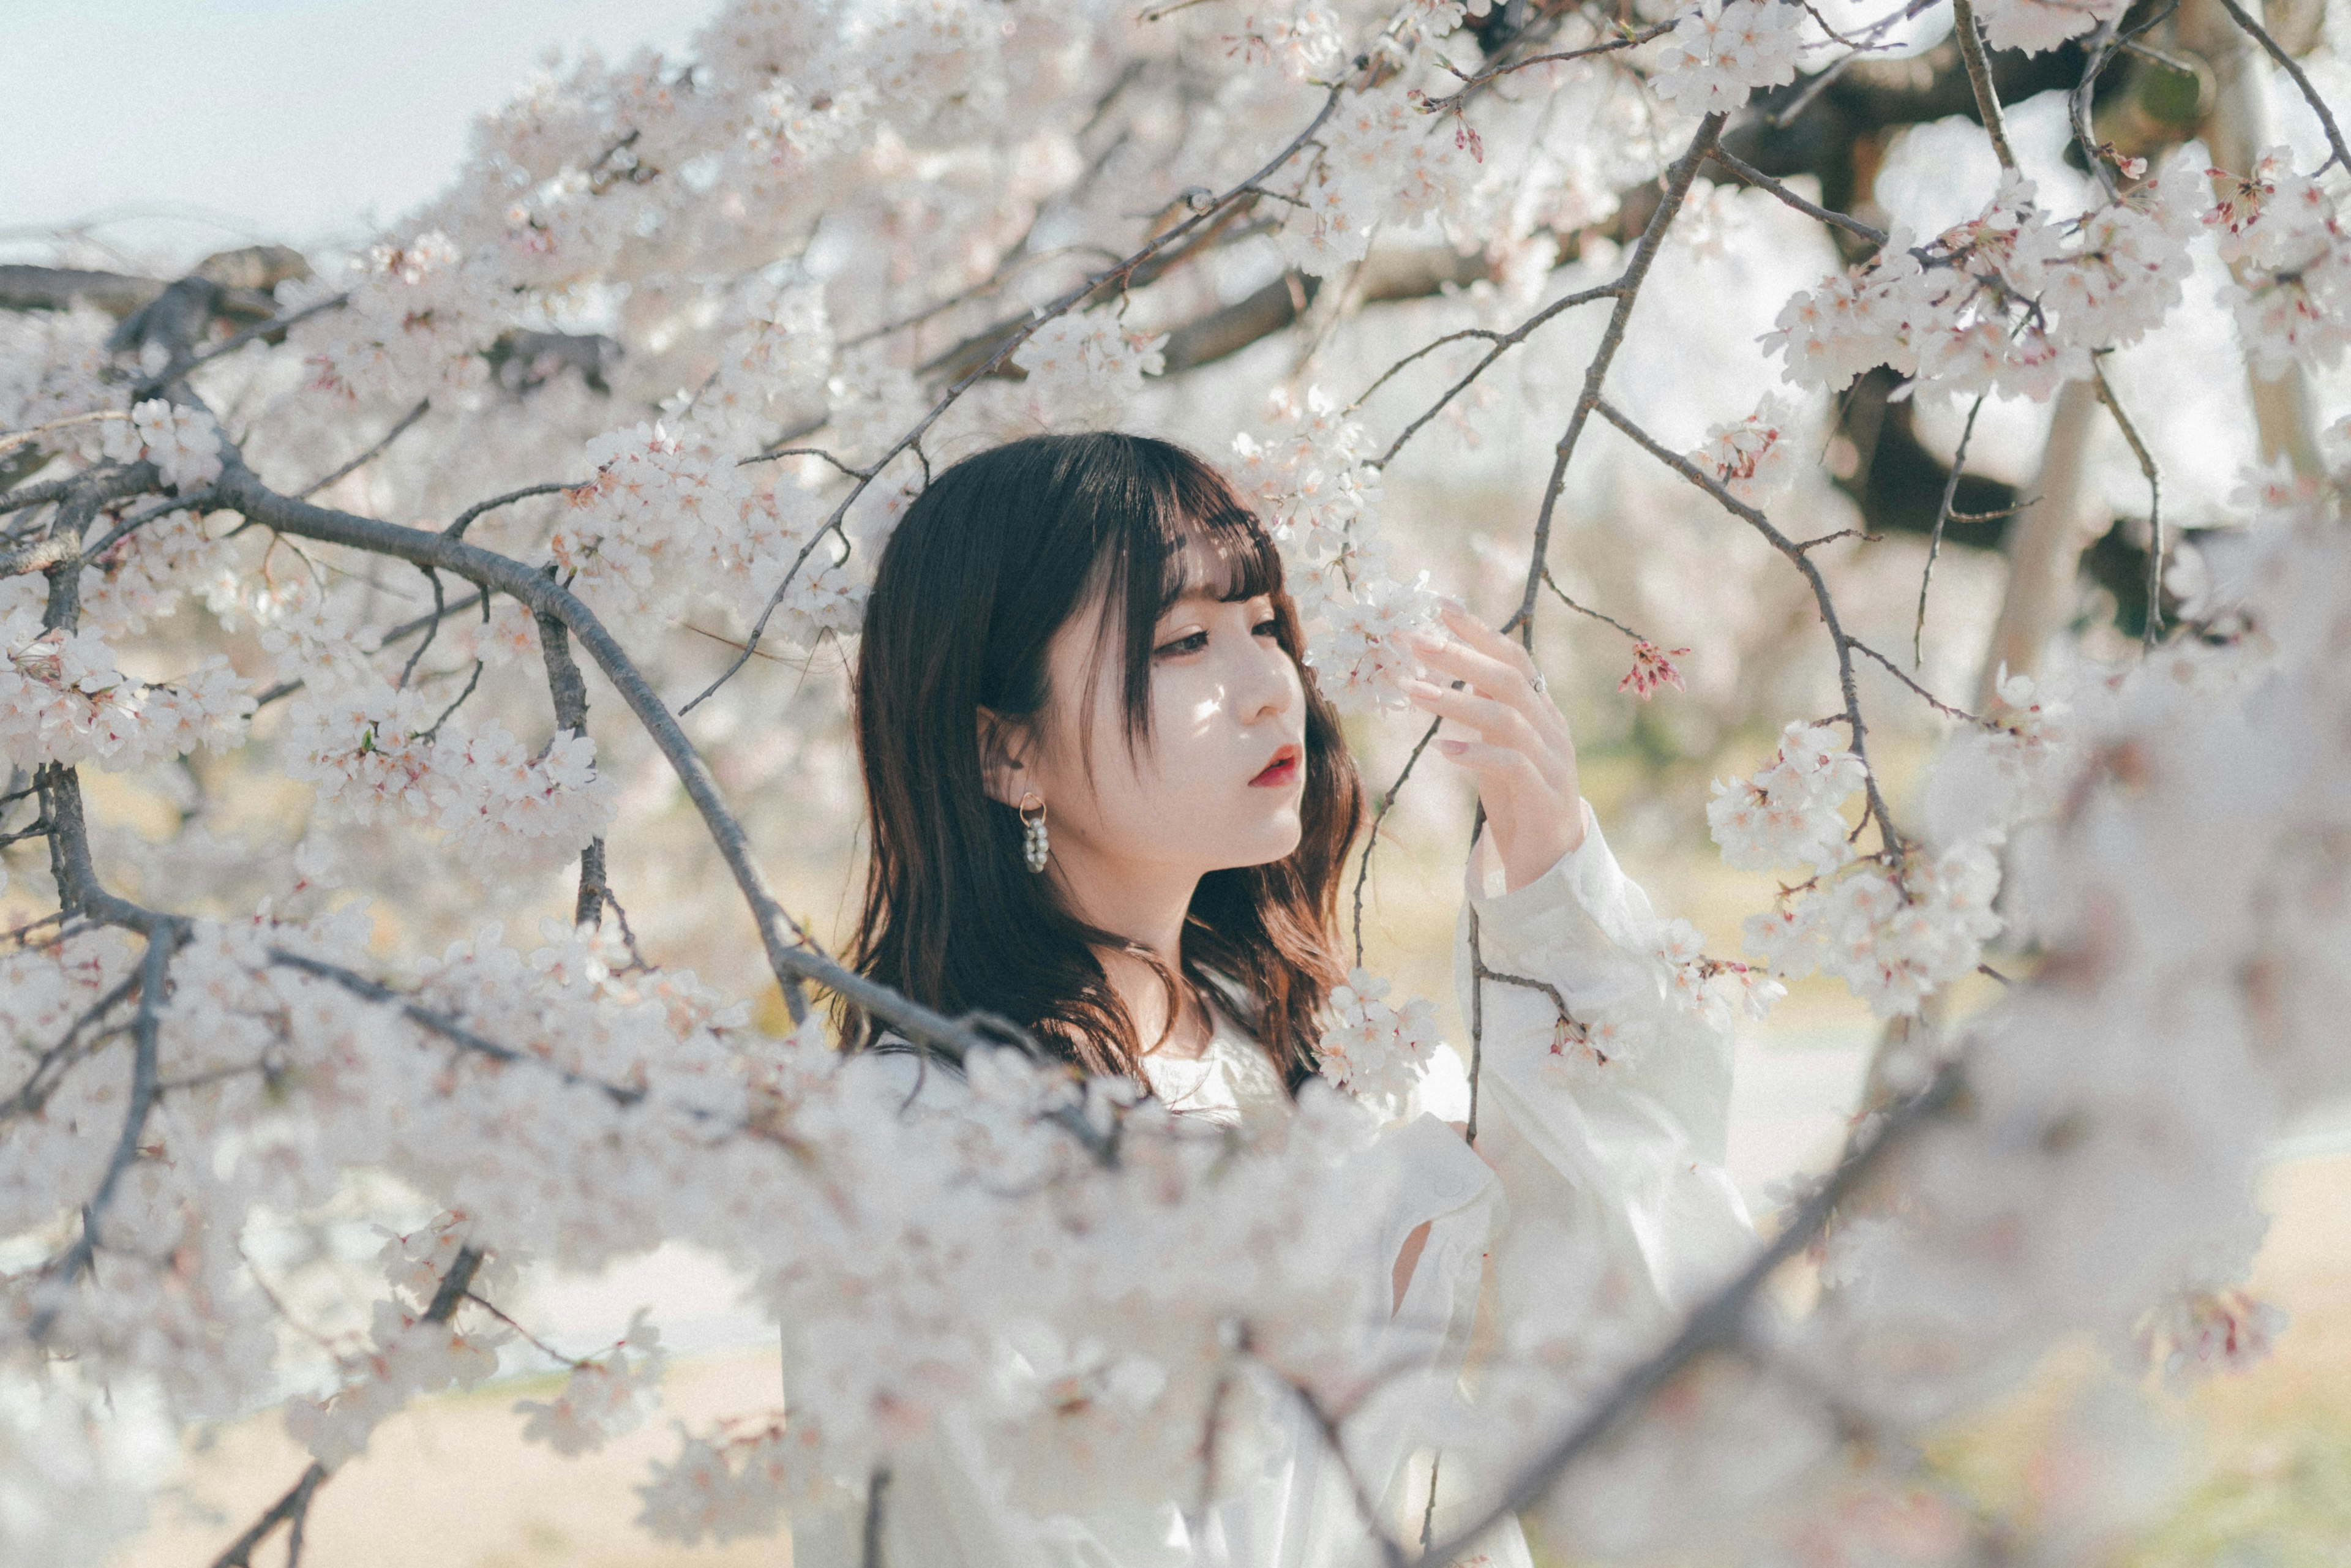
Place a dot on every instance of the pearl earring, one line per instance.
(1034, 844)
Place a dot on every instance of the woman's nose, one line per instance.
(1271, 686)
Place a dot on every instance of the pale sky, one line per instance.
(195, 125)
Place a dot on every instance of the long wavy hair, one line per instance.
(988, 562)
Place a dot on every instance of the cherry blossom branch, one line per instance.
(1678, 180)
(1477, 1001)
(179, 368)
(1971, 54)
(877, 1485)
(1391, 1550)
(40, 495)
(2151, 631)
(1566, 1014)
(1626, 39)
(567, 690)
(1888, 835)
(2077, 103)
(1932, 701)
(33, 1093)
(197, 503)
(40, 556)
(79, 893)
(1560, 594)
(791, 961)
(1720, 1323)
(1942, 518)
(293, 1509)
(1503, 342)
(1626, 290)
(573, 1362)
(1125, 270)
(1753, 176)
(1782, 117)
(101, 484)
(993, 283)
(1380, 815)
(2339, 153)
(456, 531)
(423, 406)
(446, 1027)
(401, 633)
(774, 453)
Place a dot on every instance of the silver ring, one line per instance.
(1541, 684)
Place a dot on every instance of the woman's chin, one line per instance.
(1274, 838)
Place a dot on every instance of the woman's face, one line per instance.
(1218, 781)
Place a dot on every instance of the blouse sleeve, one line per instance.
(1611, 1123)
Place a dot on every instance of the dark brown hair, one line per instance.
(994, 556)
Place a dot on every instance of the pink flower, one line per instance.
(1653, 667)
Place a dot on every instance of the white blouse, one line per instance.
(1628, 1153)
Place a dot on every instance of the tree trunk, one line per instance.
(2044, 543)
(2242, 122)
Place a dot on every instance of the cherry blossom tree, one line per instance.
(478, 542)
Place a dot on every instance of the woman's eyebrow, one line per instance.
(1211, 593)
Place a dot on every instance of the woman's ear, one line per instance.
(1004, 749)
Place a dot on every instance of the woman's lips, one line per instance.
(1281, 770)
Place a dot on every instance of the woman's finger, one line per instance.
(1496, 721)
(1484, 639)
(1488, 762)
(1494, 678)
(1454, 657)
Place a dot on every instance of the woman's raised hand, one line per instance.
(1524, 756)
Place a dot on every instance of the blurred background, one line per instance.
(152, 136)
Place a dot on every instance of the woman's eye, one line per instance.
(1191, 644)
(1267, 628)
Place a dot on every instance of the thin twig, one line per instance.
(1380, 815)
(1678, 180)
(1782, 117)
(2339, 153)
(1503, 342)
(1891, 838)
(1719, 1325)
(1003, 350)
(234, 341)
(870, 1537)
(488, 1305)
(442, 1024)
(423, 406)
(448, 713)
(770, 456)
(1560, 594)
(1935, 540)
(1932, 701)
(431, 628)
(567, 689)
(456, 531)
(1972, 52)
(2151, 632)
(293, 1509)
(1628, 40)
(2077, 104)
(1762, 182)
(195, 503)
(296, 1504)
(1391, 1550)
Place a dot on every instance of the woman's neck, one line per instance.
(1146, 906)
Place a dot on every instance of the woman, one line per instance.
(1107, 804)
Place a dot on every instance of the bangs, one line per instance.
(1225, 555)
(1185, 531)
